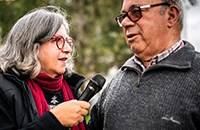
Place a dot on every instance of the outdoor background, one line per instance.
(100, 43)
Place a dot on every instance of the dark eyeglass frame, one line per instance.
(122, 16)
(68, 40)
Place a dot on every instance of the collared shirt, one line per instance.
(160, 56)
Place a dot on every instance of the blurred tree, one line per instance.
(100, 43)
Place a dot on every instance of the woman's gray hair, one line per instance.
(179, 4)
(23, 41)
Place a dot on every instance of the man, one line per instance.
(159, 87)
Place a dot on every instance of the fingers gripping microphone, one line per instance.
(93, 87)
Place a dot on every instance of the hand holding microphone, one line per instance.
(70, 113)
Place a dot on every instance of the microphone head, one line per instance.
(94, 86)
(99, 80)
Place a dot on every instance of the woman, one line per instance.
(37, 84)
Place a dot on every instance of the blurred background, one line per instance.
(100, 43)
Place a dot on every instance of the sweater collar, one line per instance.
(182, 59)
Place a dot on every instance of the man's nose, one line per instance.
(127, 22)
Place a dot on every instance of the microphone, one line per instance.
(94, 86)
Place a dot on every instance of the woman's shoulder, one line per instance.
(6, 82)
(9, 89)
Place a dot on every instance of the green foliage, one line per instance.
(99, 42)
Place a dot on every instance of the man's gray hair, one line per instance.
(23, 41)
(179, 4)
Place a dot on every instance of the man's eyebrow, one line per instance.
(132, 6)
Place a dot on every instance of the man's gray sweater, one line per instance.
(165, 97)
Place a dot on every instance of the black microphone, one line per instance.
(93, 87)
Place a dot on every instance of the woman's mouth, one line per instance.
(63, 59)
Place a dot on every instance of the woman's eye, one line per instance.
(58, 38)
(53, 40)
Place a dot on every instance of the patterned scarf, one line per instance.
(43, 81)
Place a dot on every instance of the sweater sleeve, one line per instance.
(95, 123)
(97, 113)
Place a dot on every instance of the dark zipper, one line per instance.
(138, 81)
(139, 75)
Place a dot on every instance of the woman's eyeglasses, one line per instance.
(134, 13)
(60, 42)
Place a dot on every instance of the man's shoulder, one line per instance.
(196, 59)
(189, 51)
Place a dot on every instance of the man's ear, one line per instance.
(173, 15)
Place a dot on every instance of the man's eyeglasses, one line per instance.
(134, 13)
(60, 42)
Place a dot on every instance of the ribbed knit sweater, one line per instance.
(165, 97)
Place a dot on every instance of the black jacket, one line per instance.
(17, 105)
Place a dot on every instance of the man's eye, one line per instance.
(135, 11)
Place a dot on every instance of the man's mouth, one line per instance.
(130, 36)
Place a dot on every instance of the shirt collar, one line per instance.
(159, 57)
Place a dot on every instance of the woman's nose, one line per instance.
(67, 48)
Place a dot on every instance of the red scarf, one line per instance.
(50, 84)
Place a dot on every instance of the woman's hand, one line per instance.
(71, 113)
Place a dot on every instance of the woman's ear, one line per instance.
(173, 15)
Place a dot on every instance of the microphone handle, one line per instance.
(87, 94)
